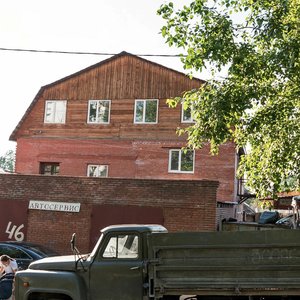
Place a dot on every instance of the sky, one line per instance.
(101, 26)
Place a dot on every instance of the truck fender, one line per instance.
(61, 282)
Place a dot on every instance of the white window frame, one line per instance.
(97, 169)
(190, 120)
(55, 114)
(180, 152)
(144, 111)
(98, 101)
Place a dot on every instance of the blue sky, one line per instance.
(69, 25)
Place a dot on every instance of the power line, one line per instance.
(82, 53)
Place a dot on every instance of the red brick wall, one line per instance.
(187, 204)
(127, 159)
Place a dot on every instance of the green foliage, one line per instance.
(257, 104)
(7, 162)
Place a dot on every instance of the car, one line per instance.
(24, 252)
(268, 217)
(287, 221)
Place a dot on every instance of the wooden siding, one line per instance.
(126, 77)
(121, 79)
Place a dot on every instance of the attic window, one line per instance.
(145, 111)
(55, 111)
(99, 111)
(186, 115)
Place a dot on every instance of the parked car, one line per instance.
(286, 221)
(268, 217)
(25, 253)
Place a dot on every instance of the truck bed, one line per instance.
(225, 263)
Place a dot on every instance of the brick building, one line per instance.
(112, 120)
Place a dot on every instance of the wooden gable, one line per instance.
(123, 76)
(120, 78)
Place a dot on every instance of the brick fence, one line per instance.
(187, 205)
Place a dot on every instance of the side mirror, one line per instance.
(76, 252)
(73, 242)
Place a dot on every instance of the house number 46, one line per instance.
(14, 231)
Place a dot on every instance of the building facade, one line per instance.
(112, 120)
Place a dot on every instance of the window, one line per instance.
(55, 111)
(181, 161)
(186, 115)
(18, 252)
(145, 111)
(99, 111)
(49, 168)
(122, 246)
(97, 171)
(14, 252)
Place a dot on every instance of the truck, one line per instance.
(146, 262)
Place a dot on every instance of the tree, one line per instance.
(7, 162)
(257, 103)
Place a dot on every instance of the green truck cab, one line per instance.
(139, 262)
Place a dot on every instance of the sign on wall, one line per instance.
(54, 206)
(13, 221)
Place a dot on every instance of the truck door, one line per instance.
(117, 272)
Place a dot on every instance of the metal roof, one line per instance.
(136, 227)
